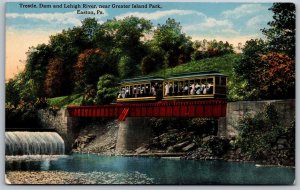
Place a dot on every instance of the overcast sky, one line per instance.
(232, 22)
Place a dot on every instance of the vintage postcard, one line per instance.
(158, 93)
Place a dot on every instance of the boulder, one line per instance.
(189, 147)
(142, 149)
(170, 149)
(205, 139)
(181, 145)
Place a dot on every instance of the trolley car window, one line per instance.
(223, 81)
(217, 80)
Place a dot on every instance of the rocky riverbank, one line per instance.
(59, 177)
(187, 143)
(97, 139)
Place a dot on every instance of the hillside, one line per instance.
(223, 64)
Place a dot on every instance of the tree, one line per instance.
(268, 75)
(149, 64)
(170, 39)
(269, 67)
(107, 89)
(281, 34)
(36, 66)
(55, 81)
(24, 87)
(90, 65)
(126, 35)
(212, 48)
(90, 28)
(127, 67)
(277, 76)
(247, 69)
(66, 46)
(12, 92)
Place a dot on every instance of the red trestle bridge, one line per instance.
(200, 108)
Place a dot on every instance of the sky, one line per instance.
(27, 26)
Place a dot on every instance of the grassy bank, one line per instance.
(223, 64)
(63, 101)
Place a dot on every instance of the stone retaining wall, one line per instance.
(236, 111)
(60, 121)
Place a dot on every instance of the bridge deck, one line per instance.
(200, 108)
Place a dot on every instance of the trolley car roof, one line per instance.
(142, 79)
(195, 74)
(173, 76)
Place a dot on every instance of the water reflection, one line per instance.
(163, 171)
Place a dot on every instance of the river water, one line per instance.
(147, 170)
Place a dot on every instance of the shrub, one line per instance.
(259, 133)
(106, 89)
(24, 114)
(217, 145)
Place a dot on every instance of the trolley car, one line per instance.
(140, 89)
(184, 86)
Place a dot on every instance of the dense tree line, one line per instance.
(79, 59)
(75, 59)
(267, 67)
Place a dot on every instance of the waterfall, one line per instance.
(33, 143)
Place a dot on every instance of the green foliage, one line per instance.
(151, 62)
(272, 74)
(170, 39)
(91, 64)
(264, 68)
(64, 66)
(281, 33)
(127, 52)
(12, 92)
(249, 61)
(36, 66)
(107, 89)
(127, 67)
(246, 70)
(126, 35)
(204, 49)
(64, 101)
(223, 64)
(89, 28)
(21, 88)
(24, 114)
(89, 96)
(259, 133)
(203, 126)
(217, 145)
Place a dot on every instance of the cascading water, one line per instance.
(33, 143)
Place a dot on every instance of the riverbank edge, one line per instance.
(175, 156)
(181, 156)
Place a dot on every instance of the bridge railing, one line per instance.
(201, 108)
